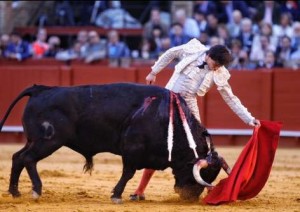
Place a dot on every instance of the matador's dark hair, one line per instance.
(220, 54)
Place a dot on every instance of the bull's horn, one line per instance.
(196, 172)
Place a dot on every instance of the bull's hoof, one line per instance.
(35, 195)
(116, 200)
(137, 197)
(15, 194)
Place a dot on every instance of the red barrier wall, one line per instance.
(286, 98)
(14, 79)
(271, 95)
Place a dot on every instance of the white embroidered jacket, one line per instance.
(189, 80)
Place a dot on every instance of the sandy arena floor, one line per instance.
(67, 188)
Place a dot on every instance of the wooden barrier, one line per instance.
(269, 95)
(89, 74)
(14, 79)
(286, 98)
(73, 30)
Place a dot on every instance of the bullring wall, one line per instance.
(268, 94)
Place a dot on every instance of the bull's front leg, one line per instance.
(127, 174)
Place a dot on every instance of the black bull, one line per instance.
(129, 120)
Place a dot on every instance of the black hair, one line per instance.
(220, 54)
(176, 24)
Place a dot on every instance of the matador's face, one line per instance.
(212, 65)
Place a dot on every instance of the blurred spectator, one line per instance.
(70, 54)
(205, 7)
(96, 8)
(269, 61)
(40, 46)
(295, 60)
(82, 38)
(116, 17)
(223, 34)
(156, 36)
(259, 50)
(215, 40)
(268, 12)
(212, 25)
(177, 35)
(148, 50)
(201, 20)
(116, 48)
(267, 30)
(64, 15)
(234, 28)
(204, 38)
(296, 35)
(284, 27)
(4, 41)
(155, 21)
(225, 10)
(95, 50)
(190, 26)
(17, 48)
(243, 62)
(54, 46)
(235, 47)
(246, 35)
(165, 45)
(293, 8)
(284, 50)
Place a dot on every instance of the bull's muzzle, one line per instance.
(203, 163)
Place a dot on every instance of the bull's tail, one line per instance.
(27, 92)
(89, 165)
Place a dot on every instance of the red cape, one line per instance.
(252, 169)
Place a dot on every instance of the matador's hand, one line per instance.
(150, 79)
(256, 123)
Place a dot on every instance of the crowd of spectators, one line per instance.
(263, 34)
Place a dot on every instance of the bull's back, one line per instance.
(92, 117)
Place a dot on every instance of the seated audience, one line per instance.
(40, 46)
(116, 17)
(96, 49)
(177, 35)
(246, 35)
(200, 18)
(116, 48)
(243, 63)
(284, 50)
(54, 46)
(190, 26)
(284, 27)
(212, 25)
(4, 41)
(296, 35)
(259, 51)
(269, 61)
(17, 48)
(234, 27)
(82, 38)
(155, 21)
(70, 54)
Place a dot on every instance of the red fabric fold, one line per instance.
(252, 169)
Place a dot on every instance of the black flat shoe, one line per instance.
(136, 197)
